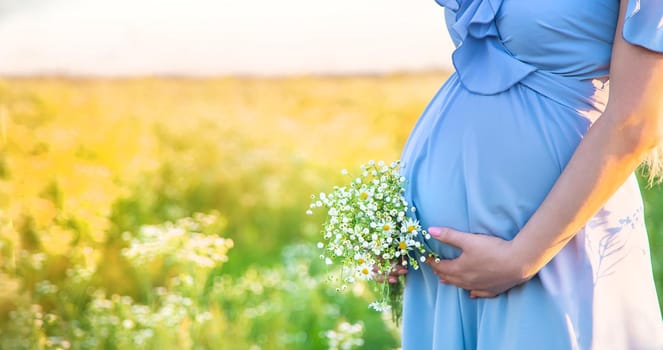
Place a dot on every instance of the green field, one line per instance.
(164, 213)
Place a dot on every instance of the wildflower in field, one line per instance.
(180, 241)
(346, 336)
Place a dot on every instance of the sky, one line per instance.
(221, 37)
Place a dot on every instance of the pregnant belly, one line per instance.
(483, 164)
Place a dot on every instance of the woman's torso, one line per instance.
(566, 37)
(501, 42)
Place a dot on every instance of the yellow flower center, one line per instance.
(364, 271)
(364, 195)
(402, 245)
(410, 228)
(386, 227)
(361, 260)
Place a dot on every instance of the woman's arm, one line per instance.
(630, 127)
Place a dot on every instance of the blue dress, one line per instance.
(530, 78)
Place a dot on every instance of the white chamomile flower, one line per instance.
(379, 306)
(410, 226)
(402, 245)
(365, 272)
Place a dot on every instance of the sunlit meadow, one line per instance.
(170, 213)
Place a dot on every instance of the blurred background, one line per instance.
(220, 37)
(157, 159)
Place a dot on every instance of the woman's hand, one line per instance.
(487, 266)
(396, 271)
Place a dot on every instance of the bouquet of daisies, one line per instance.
(367, 230)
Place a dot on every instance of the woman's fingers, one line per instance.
(449, 236)
(482, 294)
(396, 271)
(441, 268)
(444, 268)
(399, 270)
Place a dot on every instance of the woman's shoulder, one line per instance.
(643, 24)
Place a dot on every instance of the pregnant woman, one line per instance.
(522, 168)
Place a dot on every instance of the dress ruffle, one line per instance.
(450, 4)
(475, 27)
(643, 25)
